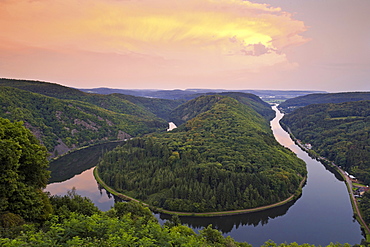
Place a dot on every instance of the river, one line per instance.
(323, 213)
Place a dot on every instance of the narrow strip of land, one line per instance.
(353, 199)
(205, 214)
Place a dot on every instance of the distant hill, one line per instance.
(137, 106)
(62, 125)
(224, 158)
(322, 98)
(260, 106)
(160, 107)
(188, 94)
(339, 132)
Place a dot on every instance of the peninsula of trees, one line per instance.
(223, 158)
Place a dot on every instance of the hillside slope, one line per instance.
(323, 98)
(62, 125)
(339, 132)
(224, 158)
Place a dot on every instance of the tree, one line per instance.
(23, 174)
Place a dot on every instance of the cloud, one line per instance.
(197, 37)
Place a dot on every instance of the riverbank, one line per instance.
(206, 214)
(337, 170)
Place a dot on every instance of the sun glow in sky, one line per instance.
(230, 44)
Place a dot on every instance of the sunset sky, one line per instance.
(178, 44)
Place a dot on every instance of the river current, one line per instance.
(323, 213)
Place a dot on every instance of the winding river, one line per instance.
(323, 213)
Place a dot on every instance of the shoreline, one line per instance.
(205, 214)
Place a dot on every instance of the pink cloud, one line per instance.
(144, 41)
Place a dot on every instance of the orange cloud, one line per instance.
(192, 36)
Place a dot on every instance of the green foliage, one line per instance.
(322, 98)
(134, 209)
(73, 123)
(134, 226)
(23, 172)
(63, 206)
(224, 158)
(364, 204)
(339, 132)
(101, 230)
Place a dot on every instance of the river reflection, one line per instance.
(226, 224)
(323, 213)
(85, 185)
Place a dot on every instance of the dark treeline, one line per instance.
(339, 132)
(224, 158)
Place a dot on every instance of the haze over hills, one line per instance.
(193, 93)
(294, 103)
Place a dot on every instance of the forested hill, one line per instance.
(322, 98)
(62, 125)
(339, 132)
(201, 104)
(257, 104)
(126, 104)
(223, 158)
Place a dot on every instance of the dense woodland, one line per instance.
(29, 217)
(322, 98)
(224, 158)
(339, 132)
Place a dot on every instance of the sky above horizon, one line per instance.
(177, 44)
